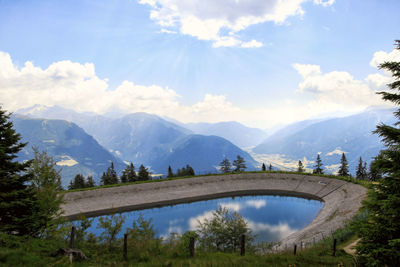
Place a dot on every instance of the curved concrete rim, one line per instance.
(342, 199)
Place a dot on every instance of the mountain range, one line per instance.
(352, 135)
(147, 139)
(158, 142)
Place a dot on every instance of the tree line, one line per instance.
(110, 177)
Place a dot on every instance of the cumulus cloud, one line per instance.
(207, 19)
(381, 56)
(258, 204)
(339, 90)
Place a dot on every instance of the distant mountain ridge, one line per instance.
(74, 150)
(330, 137)
(235, 132)
(147, 139)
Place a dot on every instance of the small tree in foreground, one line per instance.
(344, 166)
(380, 232)
(18, 202)
(223, 230)
(143, 174)
(263, 168)
(47, 185)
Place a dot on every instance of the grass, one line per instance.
(20, 251)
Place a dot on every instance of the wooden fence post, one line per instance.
(242, 245)
(72, 239)
(334, 247)
(294, 250)
(191, 246)
(126, 247)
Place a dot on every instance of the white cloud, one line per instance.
(232, 206)
(207, 19)
(280, 230)
(381, 56)
(336, 90)
(337, 151)
(324, 3)
(256, 203)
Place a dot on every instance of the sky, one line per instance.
(258, 62)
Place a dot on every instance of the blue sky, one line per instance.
(258, 62)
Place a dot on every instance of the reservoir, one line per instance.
(271, 218)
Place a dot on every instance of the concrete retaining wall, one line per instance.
(342, 200)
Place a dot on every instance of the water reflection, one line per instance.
(270, 217)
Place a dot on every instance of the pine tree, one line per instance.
(270, 167)
(380, 231)
(263, 168)
(225, 166)
(344, 166)
(77, 182)
(19, 205)
(361, 172)
(170, 173)
(300, 167)
(374, 173)
(239, 164)
(143, 174)
(317, 167)
(189, 170)
(90, 182)
(129, 174)
(110, 176)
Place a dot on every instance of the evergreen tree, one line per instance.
(380, 231)
(143, 174)
(110, 176)
(129, 174)
(344, 166)
(270, 167)
(90, 182)
(189, 171)
(77, 182)
(317, 167)
(170, 173)
(361, 172)
(263, 168)
(239, 164)
(300, 167)
(18, 203)
(374, 173)
(225, 166)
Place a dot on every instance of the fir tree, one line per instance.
(263, 168)
(239, 164)
(361, 172)
(143, 174)
(90, 182)
(270, 167)
(380, 231)
(344, 166)
(318, 165)
(300, 167)
(225, 166)
(170, 173)
(189, 170)
(77, 182)
(374, 173)
(129, 174)
(19, 205)
(110, 176)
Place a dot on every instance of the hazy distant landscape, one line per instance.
(81, 144)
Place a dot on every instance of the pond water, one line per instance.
(271, 218)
